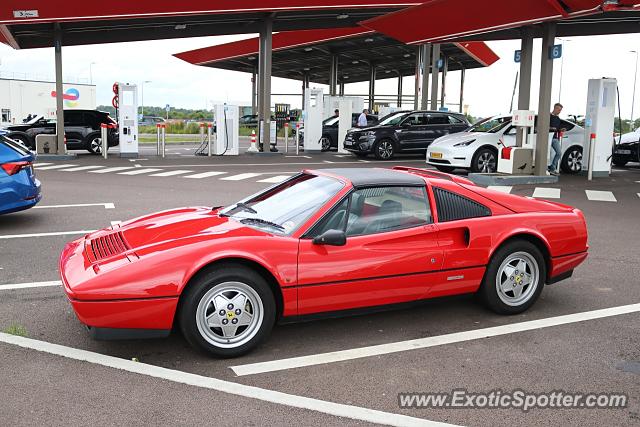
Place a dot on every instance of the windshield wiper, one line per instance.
(245, 207)
(262, 221)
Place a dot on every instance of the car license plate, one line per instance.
(623, 151)
(436, 155)
(348, 142)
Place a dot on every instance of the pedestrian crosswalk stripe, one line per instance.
(275, 179)
(54, 167)
(600, 196)
(115, 169)
(546, 193)
(501, 188)
(41, 164)
(204, 175)
(240, 177)
(138, 171)
(171, 173)
(82, 168)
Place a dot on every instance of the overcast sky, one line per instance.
(487, 91)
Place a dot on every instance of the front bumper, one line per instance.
(98, 307)
(359, 144)
(444, 156)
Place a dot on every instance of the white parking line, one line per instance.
(116, 222)
(116, 169)
(30, 285)
(172, 173)
(204, 175)
(546, 193)
(228, 387)
(276, 179)
(54, 167)
(82, 168)
(501, 188)
(56, 233)
(600, 196)
(79, 205)
(395, 347)
(240, 177)
(139, 171)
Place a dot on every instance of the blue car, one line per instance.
(19, 188)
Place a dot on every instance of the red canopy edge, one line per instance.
(282, 40)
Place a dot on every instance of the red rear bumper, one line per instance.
(564, 264)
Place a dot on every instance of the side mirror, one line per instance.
(332, 238)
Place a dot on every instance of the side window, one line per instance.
(334, 220)
(91, 120)
(382, 209)
(455, 120)
(567, 125)
(415, 119)
(453, 207)
(72, 118)
(372, 120)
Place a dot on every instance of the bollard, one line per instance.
(209, 131)
(104, 135)
(253, 148)
(286, 137)
(158, 127)
(297, 138)
(163, 134)
(592, 150)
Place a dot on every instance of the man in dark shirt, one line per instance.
(555, 126)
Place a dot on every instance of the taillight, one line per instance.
(13, 168)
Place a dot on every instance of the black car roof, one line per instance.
(363, 177)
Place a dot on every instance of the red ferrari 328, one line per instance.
(322, 241)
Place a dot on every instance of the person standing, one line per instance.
(336, 113)
(362, 119)
(555, 126)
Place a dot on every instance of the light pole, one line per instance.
(635, 78)
(91, 73)
(561, 68)
(142, 98)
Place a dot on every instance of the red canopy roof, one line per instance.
(477, 17)
(53, 11)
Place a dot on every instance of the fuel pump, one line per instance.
(126, 103)
(599, 122)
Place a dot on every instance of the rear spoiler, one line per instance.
(435, 174)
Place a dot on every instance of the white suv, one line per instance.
(476, 149)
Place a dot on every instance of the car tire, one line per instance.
(620, 162)
(94, 143)
(384, 149)
(445, 169)
(514, 278)
(485, 160)
(572, 161)
(23, 140)
(227, 296)
(325, 143)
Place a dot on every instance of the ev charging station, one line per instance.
(127, 105)
(227, 130)
(515, 160)
(599, 123)
(313, 117)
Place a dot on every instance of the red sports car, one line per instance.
(322, 241)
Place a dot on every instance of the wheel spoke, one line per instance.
(220, 302)
(213, 320)
(517, 291)
(229, 330)
(245, 319)
(239, 301)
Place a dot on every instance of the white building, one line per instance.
(19, 98)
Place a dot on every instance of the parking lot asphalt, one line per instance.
(578, 356)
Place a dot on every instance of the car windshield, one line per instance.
(392, 119)
(331, 121)
(490, 125)
(286, 207)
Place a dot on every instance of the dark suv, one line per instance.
(403, 132)
(329, 138)
(81, 127)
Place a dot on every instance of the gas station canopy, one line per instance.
(30, 24)
(503, 19)
(300, 53)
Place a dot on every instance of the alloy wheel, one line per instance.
(517, 279)
(487, 162)
(385, 149)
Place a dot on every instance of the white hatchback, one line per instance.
(476, 149)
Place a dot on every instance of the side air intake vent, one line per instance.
(452, 207)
